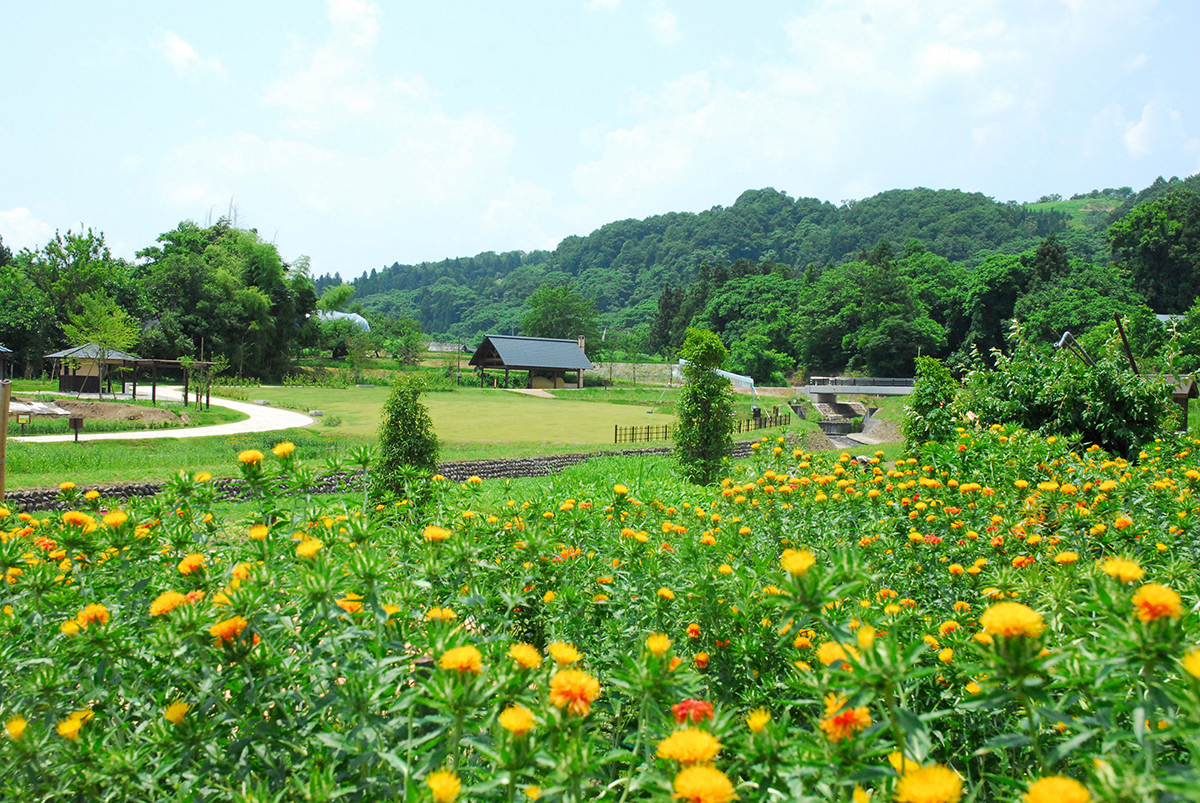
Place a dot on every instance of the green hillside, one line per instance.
(624, 266)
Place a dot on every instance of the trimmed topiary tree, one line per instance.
(704, 430)
(408, 445)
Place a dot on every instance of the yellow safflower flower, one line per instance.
(1123, 569)
(563, 654)
(526, 655)
(797, 562)
(516, 719)
(462, 659)
(1191, 662)
(15, 727)
(689, 746)
(1057, 789)
(309, 547)
(444, 785)
(702, 784)
(930, 784)
(175, 712)
(1011, 619)
(757, 720)
(657, 644)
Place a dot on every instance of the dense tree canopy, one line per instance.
(218, 288)
(788, 285)
(561, 312)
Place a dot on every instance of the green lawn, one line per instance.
(471, 423)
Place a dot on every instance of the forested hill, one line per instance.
(624, 266)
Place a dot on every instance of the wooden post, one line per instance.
(506, 378)
(135, 367)
(185, 386)
(154, 384)
(5, 397)
(616, 434)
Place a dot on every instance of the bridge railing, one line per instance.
(861, 381)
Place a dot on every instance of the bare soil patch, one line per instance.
(109, 411)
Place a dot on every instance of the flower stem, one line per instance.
(1033, 735)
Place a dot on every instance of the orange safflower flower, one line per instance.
(574, 690)
(842, 723)
(228, 629)
(1155, 601)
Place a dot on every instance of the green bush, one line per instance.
(929, 414)
(407, 442)
(1057, 393)
(703, 438)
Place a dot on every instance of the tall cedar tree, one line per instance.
(704, 435)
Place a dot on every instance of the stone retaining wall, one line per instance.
(458, 471)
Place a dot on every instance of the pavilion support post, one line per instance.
(154, 385)
(506, 379)
(579, 379)
(185, 387)
(135, 381)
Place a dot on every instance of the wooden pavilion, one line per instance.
(533, 354)
(79, 371)
(7, 364)
(79, 368)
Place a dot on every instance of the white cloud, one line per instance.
(521, 211)
(1139, 136)
(941, 57)
(1136, 63)
(20, 229)
(602, 5)
(664, 24)
(354, 141)
(184, 58)
(874, 92)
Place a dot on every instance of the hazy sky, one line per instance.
(366, 133)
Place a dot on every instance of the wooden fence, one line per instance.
(662, 432)
(648, 432)
(763, 422)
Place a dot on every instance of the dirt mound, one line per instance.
(818, 441)
(108, 411)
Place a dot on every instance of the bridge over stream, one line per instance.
(837, 417)
(825, 389)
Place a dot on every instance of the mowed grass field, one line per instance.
(471, 423)
(474, 415)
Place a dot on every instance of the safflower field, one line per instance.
(1000, 618)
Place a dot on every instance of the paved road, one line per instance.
(261, 419)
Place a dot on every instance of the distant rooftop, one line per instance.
(92, 352)
(506, 351)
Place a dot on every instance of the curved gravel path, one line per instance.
(261, 419)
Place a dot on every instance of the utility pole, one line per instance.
(5, 398)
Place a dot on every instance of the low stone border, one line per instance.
(458, 471)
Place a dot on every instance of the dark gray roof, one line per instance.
(91, 352)
(5, 351)
(531, 352)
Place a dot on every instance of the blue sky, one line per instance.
(361, 133)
